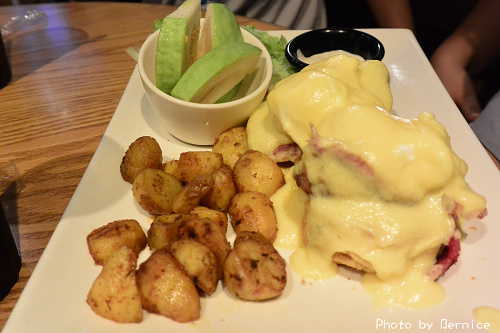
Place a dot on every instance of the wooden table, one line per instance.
(67, 82)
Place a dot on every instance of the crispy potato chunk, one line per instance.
(171, 167)
(253, 211)
(166, 289)
(194, 163)
(254, 270)
(163, 229)
(214, 215)
(231, 144)
(144, 153)
(155, 190)
(103, 241)
(209, 234)
(223, 190)
(255, 171)
(114, 294)
(189, 197)
(199, 262)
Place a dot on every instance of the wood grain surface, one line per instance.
(67, 81)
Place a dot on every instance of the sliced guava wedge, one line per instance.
(217, 72)
(219, 27)
(228, 97)
(177, 44)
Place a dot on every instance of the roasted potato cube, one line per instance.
(216, 216)
(209, 234)
(144, 153)
(199, 262)
(254, 270)
(255, 171)
(189, 197)
(166, 289)
(253, 211)
(224, 189)
(194, 163)
(231, 144)
(163, 229)
(114, 294)
(155, 190)
(103, 241)
(171, 167)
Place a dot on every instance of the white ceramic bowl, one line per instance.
(197, 123)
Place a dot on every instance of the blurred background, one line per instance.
(433, 22)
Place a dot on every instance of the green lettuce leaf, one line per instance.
(276, 48)
(157, 24)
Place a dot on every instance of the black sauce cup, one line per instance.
(331, 39)
(10, 261)
(5, 73)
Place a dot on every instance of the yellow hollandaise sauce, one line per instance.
(289, 206)
(262, 133)
(489, 317)
(412, 289)
(321, 88)
(311, 263)
(384, 190)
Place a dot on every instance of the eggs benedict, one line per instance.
(386, 195)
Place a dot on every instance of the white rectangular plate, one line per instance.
(54, 298)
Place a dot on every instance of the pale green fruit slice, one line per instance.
(217, 72)
(177, 44)
(219, 27)
(228, 97)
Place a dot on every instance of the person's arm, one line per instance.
(393, 13)
(473, 47)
